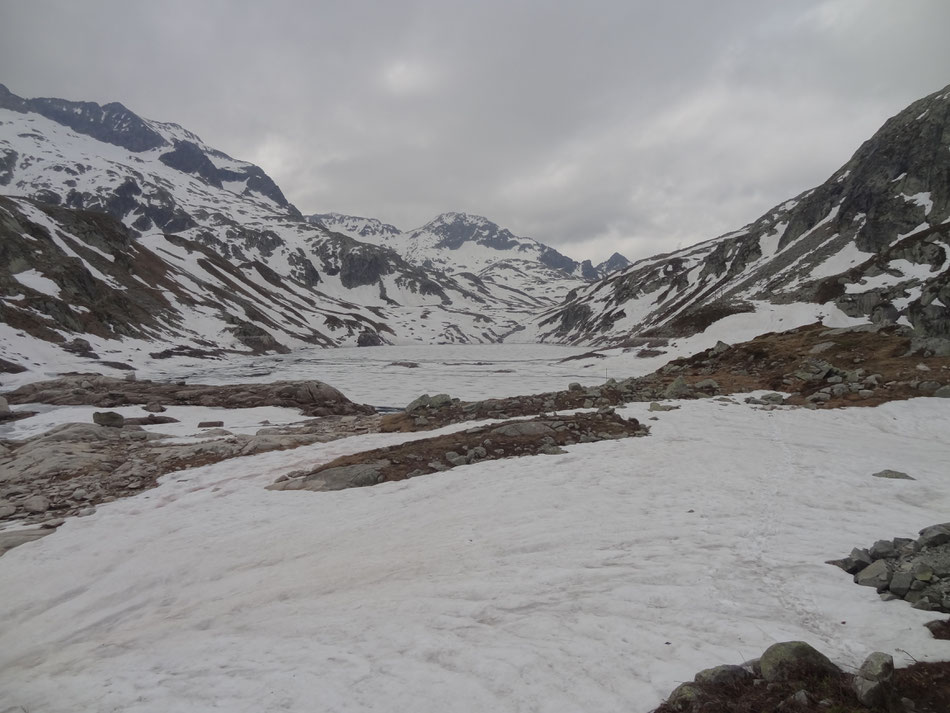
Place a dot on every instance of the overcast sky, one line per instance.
(592, 126)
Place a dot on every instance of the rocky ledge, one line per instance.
(313, 398)
(915, 570)
(70, 469)
(543, 435)
(793, 676)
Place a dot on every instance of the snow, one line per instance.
(35, 281)
(844, 259)
(921, 199)
(594, 580)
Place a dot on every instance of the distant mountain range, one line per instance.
(116, 228)
(126, 239)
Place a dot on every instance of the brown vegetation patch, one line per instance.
(940, 628)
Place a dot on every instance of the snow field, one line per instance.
(595, 580)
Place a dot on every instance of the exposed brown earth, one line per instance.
(542, 435)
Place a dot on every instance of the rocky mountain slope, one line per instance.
(461, 244)
(870, 242)
(203, 252)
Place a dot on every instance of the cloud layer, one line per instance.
(629, 126)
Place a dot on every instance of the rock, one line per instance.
(110, 419)
(934, 535)
(79, 494)
(685, 697)
(524, 428)
(678, 389)
(840, 389)
(9, 540)
(877, 574)
(723, 675)
(773, 398)
(455, 458)
(661, 407)
(882, 549)
(877, 667)
(789, 660)
(359, 475)
(211, 424)
(900, 583)
(4, 407)
(574, 386)
(868, 693)
(720, 347)
(36, 504)
(818, 398)
(153, 407)
(707, 385)
(6, 508)
(928, 386)
(943, 392)
(892, 474)
(369, 339)
(821, 347)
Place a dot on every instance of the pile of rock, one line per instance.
(917, 571)
(789, 676)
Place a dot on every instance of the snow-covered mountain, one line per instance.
(871, 242)
(460, 243)
(226, 261)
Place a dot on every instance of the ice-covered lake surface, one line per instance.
(594, 580)
(380, 375)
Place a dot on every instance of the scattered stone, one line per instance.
(6, 508)
(892, 474)
(211, 424)
(934, 535)
(153, 407)
(4, 407)
(655, 406)
(110, 419)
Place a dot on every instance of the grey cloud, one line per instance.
(630, 126)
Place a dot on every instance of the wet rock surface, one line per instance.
(313, 398)
(543, 435)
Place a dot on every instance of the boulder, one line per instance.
(211, 424)
(110, 419)
(661, 407)
(4, 407)
(877, 574)
(725, 674)
(678, 389)
(877, 667)
(934, 535)
(153, 407)
(790, 660)
(36, 504)
(943, 392)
